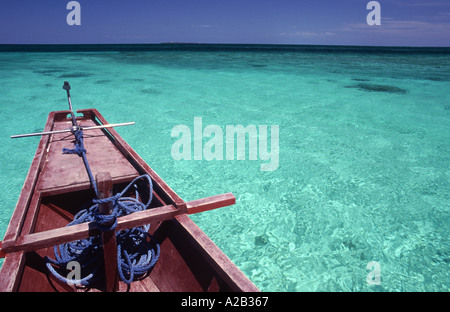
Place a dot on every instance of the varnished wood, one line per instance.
(226, 269)
(209, 203)
(11, 268)
(104, 188)
(2, 254)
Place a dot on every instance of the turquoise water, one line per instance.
(364, 149)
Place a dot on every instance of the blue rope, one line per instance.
(137, 252)
(81, 151)
(136, 255)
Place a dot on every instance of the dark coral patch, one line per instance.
(75, 75)
(151, 91)
(378, 88)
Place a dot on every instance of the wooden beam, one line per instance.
(84, 230)
(81, 231)
(104, 187)
(13, 264)
(2, 254)
(209, 203)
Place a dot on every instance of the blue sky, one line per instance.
(335, 22)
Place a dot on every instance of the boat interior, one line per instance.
(57, 187)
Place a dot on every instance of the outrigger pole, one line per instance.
(66, 87)
(75, 126)
(71, 130)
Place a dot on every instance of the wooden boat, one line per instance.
(55, 189)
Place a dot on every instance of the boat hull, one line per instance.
(57, 187)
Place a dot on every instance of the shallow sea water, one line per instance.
(364, 150)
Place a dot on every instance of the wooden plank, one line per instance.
(226, 269)
(209, 203)
(110, 260)
(145, 285)
(84, 230)
(147, 217)
(50, 238)
(104, 187)
(2, 254)
(67, 172)
(11, 268)
(174, 270)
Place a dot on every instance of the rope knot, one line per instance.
(79, 145)
(104, 222)
(112, 199)
(81, 151)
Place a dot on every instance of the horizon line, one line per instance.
(223, 44)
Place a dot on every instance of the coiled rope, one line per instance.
(137, 252)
